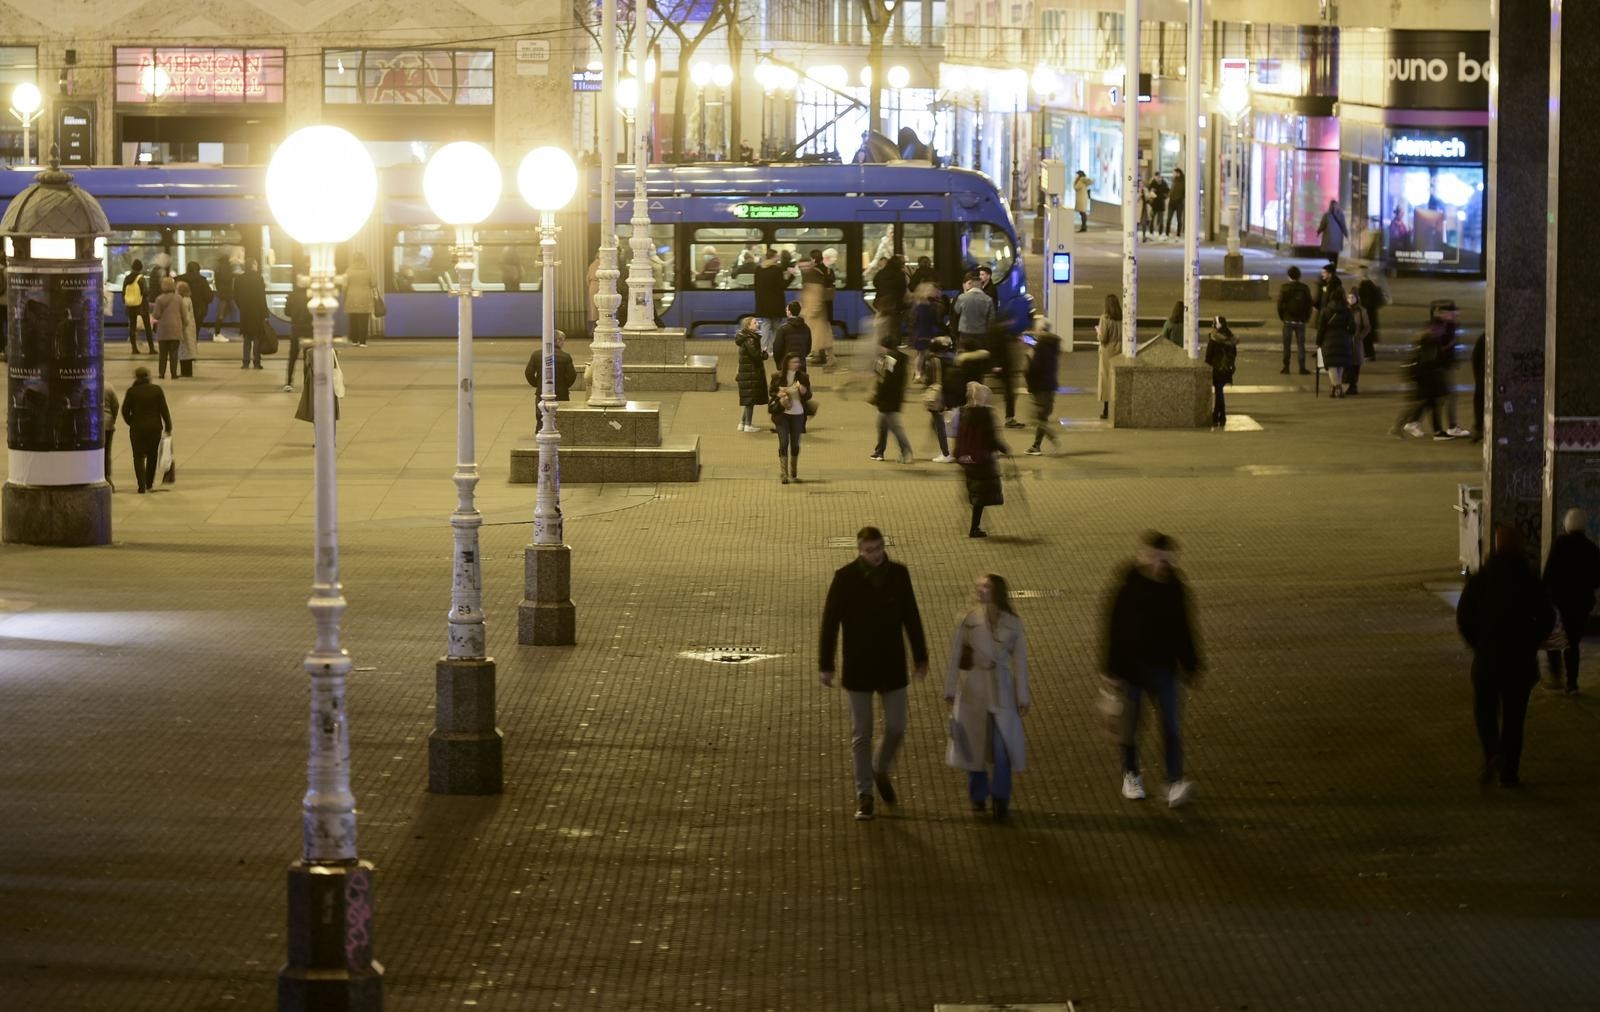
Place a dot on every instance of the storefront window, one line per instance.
(1101, 160)
(435, 77)
(1435, 216)
(985, 245)
(197, 76)
(1316, 181)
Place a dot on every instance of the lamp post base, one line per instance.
(1233, 265)
(464, 749)
(547, 616)
(67, 516)
(330, 964)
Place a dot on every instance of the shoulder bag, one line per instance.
(378, 307)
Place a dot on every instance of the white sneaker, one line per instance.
(288, 388)
(943, 458)
(218, 338)
(1178, 792)
(1133, 786)
(1457, 431)
(1414, 429)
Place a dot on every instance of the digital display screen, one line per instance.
(1061, 268)
(768, 212)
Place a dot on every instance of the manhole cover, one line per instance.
(849, 541)
(729, 655)
(1016, 595)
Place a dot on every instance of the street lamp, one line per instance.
(321, 187)
(547, 179)
(1233, 99)
(462, 185)
(641, 270)
(898, 77)
(628, 101)
(25, 104)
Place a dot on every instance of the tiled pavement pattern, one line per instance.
(676, 834)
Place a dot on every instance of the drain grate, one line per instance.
(729, 654)
(849, 541)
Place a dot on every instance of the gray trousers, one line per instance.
(894, 732)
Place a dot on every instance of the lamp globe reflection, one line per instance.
(321, 185)
(462, 183)
(547, 178)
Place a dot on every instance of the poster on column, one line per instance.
(54, 370)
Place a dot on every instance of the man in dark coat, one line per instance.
(1043, 376)
(888, 394)
(1330, 300)
(1149, 646)
(1372, 300)
(772, 294)
(1294, 309)
(1503, 615)
(872, 598)
(250, 295)
(566, 372)
(794, 338)
(199, 295)
(144, 408)
(1571, 576)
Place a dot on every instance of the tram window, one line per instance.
(794, 246)
(986, 245)
(419, 259)
(725, 257)
(126, 246)
(660, 253)
(205, 246)
(509, 260)
(877, 245)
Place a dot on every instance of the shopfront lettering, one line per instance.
(1436, 70)
(1423, 147)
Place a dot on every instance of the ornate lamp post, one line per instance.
(321, 187)
(606, 349)
(641, 269)
(547, 179)
(462, 185)
(1234, 102)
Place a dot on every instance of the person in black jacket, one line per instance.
(298, 308)
(144, 408)
(566, 371)
(794, 337)
(1222, 354)
(1571, 576)
(1294, 309)
(889, 303)
(1149, 648)
(889, 394)
(772, 294)
(250, 296)
(199, 295)
(136, 278)
(873, 600)
(1503, 615)
(1044, 367)
(752, 372)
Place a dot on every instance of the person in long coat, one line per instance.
(250, 295)
(977, 443)
(1109, 333)
(1571, 576)
(987, 686)
(1360, 336)
(189, 346)
(358, 301)
(1334, 231)
(167, 312)
(752, 373)
(1334, 340)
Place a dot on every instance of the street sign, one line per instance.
(533, 50)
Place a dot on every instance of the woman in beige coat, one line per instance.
(189, 344)
(358, 301)
(987, 686)
(1109, 332)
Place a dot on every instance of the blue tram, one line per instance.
(709, 225)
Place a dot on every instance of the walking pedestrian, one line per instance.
(1504, 615)
(168, 316)
(1222, 352)
(189, 347)
(872, 599)
(986, 687)
(771, 283)
(939, 372)
(925, 324)
(788, 394)
(794, 336)
(109, 405)
(250, 295)
(1294, 309)
(136, 304)
(1108, 331)
(1175, 203)
(1427, 381)
(144, 408)
(1335, 329)
(1080, 199)
(752, 378)
(888, 395)
(1360, 332)
(1571, 576)
(978, 444)
(1443, 315)
(358, 299)
(815, 283)
(566, 370)
(1373, 298)
(1333, 231)
(298, 308)
(1043, 376)
(1150, 650)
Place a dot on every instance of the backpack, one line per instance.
(133, 291)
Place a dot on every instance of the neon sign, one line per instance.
(768, 212)
(1423, 147)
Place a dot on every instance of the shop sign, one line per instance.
(1429, 146)
(75, 134)
(1436, 70)
(201, 75)
(586, 80)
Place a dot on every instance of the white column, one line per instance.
(547, 526)
(605, 369)
(466, 627)
(329, 808)
(1130, 179)
(1191, 181)
(641, 270)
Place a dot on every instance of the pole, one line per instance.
(330, 962)
(1191, 189)
(547, 525)
(1130, 179)
(641, 270)
(465, 748)
(605, 370)
(27, 154)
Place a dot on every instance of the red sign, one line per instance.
(199, 75)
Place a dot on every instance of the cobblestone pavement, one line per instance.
(676, 834)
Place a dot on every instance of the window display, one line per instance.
(1435, 216)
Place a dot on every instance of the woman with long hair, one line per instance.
(1109, 332)
(978, 442)
(787, 394)
(986, 686)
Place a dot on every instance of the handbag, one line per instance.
(811, 409)
(379, 309)
(164, 462)
(338, 378)
(267, 343)
(959, 742)
(1111, 706)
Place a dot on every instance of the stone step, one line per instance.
(664, 346)
(637, 423)
(618, 465)
(698, 373)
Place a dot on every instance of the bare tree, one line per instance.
(880, 15)
(672, 14)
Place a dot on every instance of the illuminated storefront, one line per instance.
(197, 104)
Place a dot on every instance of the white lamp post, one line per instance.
(462, 186)
(321, 187)
(1234, 102)
(1130, 179)
(25, 105)
(641, 269)
(605, 350)
(547, 179)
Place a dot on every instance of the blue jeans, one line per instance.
(1163, 686)
(979, 786)
(889, 421)
(769, 333)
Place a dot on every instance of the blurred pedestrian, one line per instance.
(1427, 381)
(872, 599)
(788, 393)
(1043, 376)
(168, 316)
(1222, 353)
(939, 372)
(1504, 615)
(752, 377)
(109, 406)
(1373, 298)
(815, 299)
(144, 408)
(891, 369)
(1150, 650)
(925, 325)
(1571, 576)
(298, 308)
(1444, 317)
(986, 686)
(978, 445)
(1108, 331)
(1294, 309)
(511, 269)
(771, 286)
(250, 295)
(891, 284)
